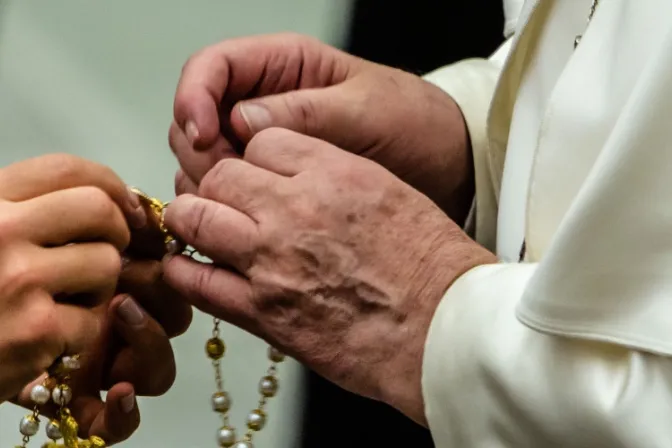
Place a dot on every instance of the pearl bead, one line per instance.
(256, 420)
(268, 386)
(243, 444)
(221, 402)
(62, 394)
(40, 394)
(29, 426)
(173, 247)
(215, 348)
(275, 355)
(71, 363)
(226, 436)
(54, 430)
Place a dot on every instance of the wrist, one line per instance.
(458, 185)
(453, 254)
(448, 179)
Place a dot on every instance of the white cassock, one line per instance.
(573, 154)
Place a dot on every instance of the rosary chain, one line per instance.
(593, 8)
(215, 349)
(55, 388)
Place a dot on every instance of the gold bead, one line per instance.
(275, 355)
(215, 348)
(256, 420)
(97, 442)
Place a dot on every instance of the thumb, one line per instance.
(329, 114)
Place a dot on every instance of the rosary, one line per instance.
(55, 386)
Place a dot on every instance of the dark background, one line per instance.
(417, 36)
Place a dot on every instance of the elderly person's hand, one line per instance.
(327, 256)
(231, 91)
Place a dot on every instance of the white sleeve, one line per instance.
(575, 350)
(490, 381)
(472, 83)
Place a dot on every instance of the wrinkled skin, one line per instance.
(394, 118)
(326, 255)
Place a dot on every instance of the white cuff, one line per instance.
(479, 306)
(490, 381)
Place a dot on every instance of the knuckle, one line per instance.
(304, 209)
(268, 138)
(107, 216)
(197, 64)
(41, 325)
(202, 281)
(293, 38)
(10, 223)
(164, 377)
(99, 203)
(18, 274)
(174, 137)
(65, 166)
(302, 111)
(110, 261)
(40, 335)
(198, 220)
(105, 172)
(353, 171)
(182, 183)
(181, 323)
(218, 175)
(196, 58)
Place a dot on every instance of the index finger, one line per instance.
(237, 69)
(41, 175)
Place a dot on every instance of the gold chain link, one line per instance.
(593, 8)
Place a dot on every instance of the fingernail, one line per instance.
(137, 217)
(192, 131)
(130, 313)
(256, 116)
(133, 198)
(128, 403)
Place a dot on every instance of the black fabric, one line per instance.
(421, 35)
(416, 36)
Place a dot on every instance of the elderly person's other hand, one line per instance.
(326, 255)
(231, 91)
